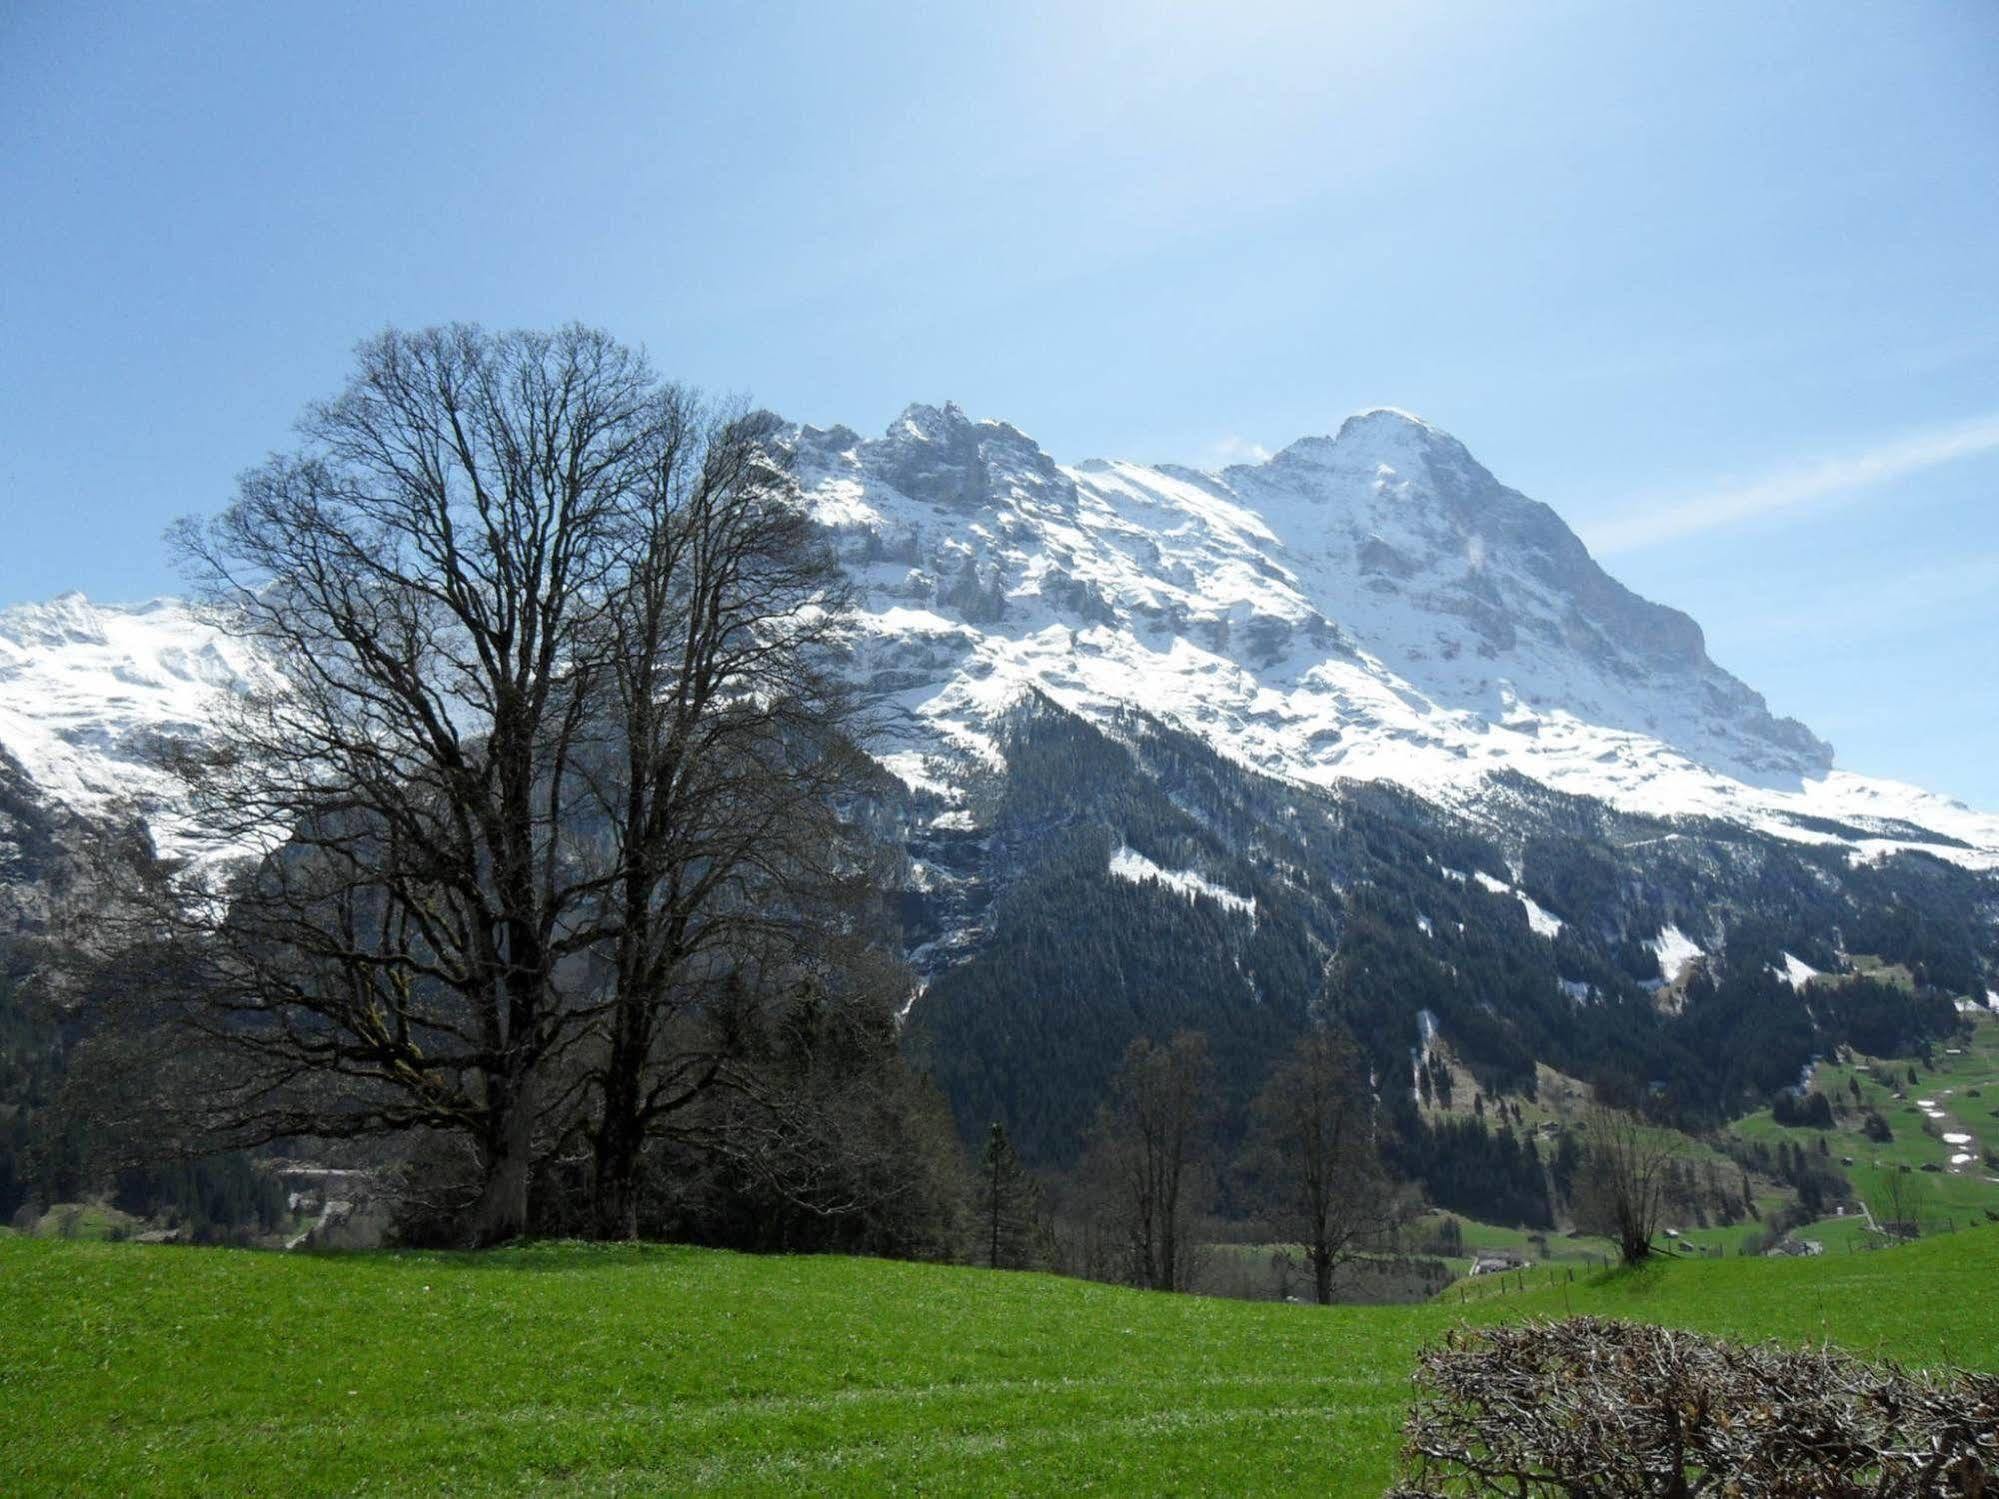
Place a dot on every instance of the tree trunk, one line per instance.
(615, 1180)
(620, 1136)
(1322, 1275)
(501, 1212)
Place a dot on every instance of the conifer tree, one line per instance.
(1006, 1202)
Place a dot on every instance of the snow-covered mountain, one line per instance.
(1372, 605)
(88, 691)
(87, 694)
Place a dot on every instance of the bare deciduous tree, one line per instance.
(734, 750)
(1898, 1202)
(544, 709)
(1315, 1147)
(1621, 1185)
(1149, 1153)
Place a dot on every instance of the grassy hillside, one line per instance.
(1940, 1113)
(567, 1369)
(1955, 1093)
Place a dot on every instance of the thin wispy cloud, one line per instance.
(1802, 485)
(1898, 603)
(1234, 449)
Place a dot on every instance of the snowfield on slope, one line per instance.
(1675, 950)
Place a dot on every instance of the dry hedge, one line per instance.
(1611, 1410)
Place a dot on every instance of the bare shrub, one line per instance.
(1591, 1407)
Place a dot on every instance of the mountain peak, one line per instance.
(929, 423)
(940, 454)
(1381, 437)
(1387, 418)
(1354, 605)
(68, 618)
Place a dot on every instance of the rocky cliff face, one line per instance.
(59, 866)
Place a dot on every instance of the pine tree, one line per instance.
(1006, 1201)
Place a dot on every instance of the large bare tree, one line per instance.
(734, 755)
(542, 634)
(1314, 1145)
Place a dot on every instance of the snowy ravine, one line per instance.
(1372, 605)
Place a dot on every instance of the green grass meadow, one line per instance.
(570, 1369)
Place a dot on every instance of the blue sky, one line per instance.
(1719, 282)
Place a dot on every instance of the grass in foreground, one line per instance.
(562, 1368)
(568, 1369)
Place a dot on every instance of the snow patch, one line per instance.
(1129, 864)
(1674, 950)
(1544, 923)
(1796, 972)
